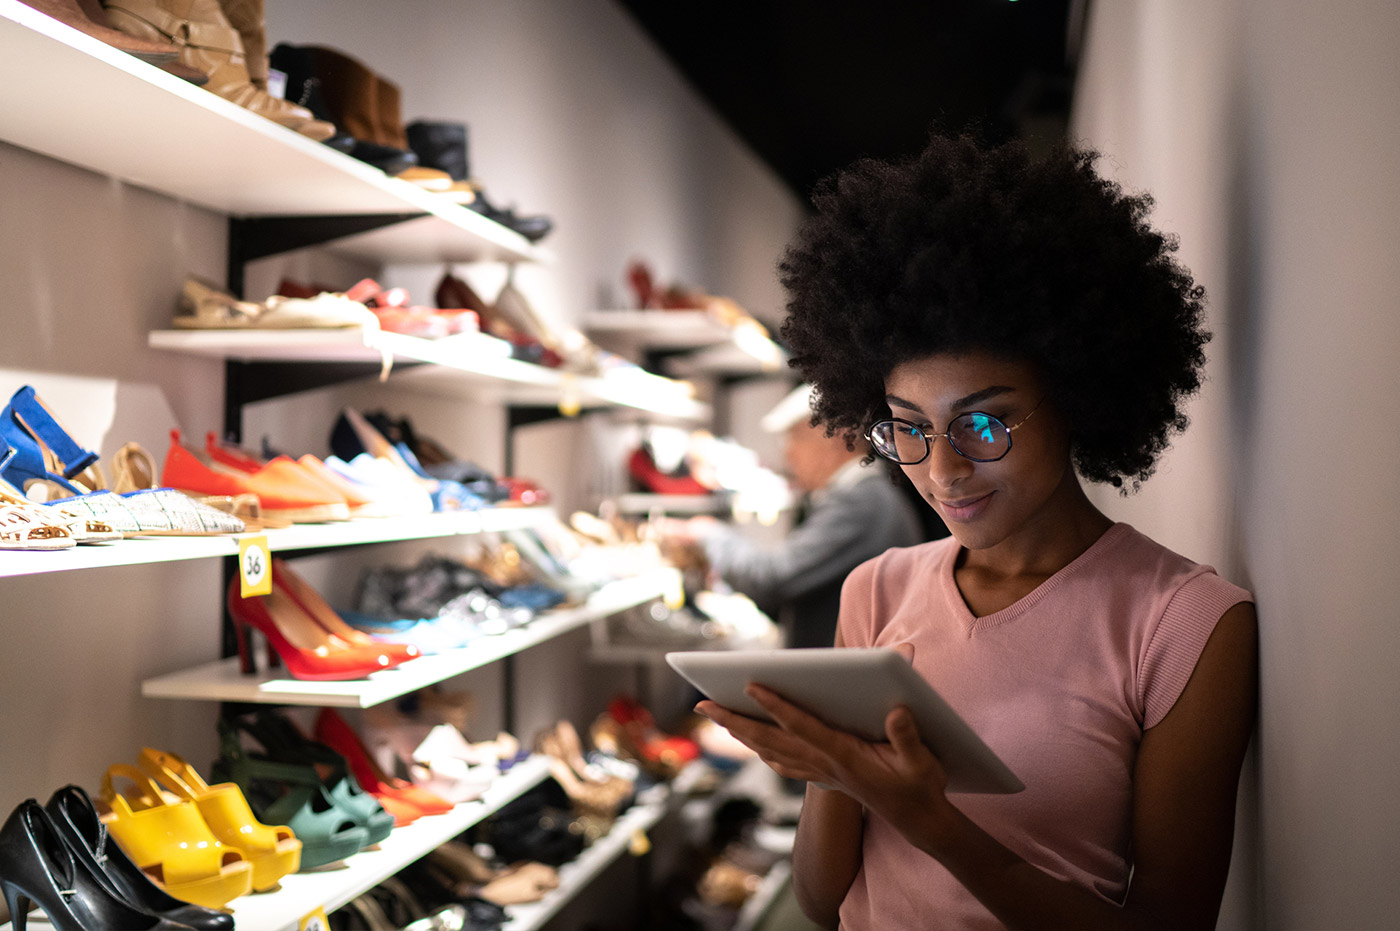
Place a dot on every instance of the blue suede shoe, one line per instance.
(33, 441)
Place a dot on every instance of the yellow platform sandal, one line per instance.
(171, 842)
(273, 850)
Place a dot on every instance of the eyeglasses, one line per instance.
(976, 436)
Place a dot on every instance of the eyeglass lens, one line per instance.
(976, 436)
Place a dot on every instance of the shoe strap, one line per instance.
(39, 427)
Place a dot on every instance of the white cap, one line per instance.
(794, 409)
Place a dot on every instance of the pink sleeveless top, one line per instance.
(1061, 685)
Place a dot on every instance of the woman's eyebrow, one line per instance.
(977, 397)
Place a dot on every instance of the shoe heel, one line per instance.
(18, 904)
(247, 664)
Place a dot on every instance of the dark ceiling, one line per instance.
(813, 84)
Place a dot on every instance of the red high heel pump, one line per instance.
(400, 798)
(313, 604)
(306, 648)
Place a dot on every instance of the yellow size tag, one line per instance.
(254, 566)
(570, 401)
(673, 589)
(316, 921)
(640, 844)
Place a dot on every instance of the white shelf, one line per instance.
(468, 365)
(726, 359)
(647, 502)
(222, 680)
(104, 110)
(144, 550)
(586, 867)
(655, 329)
(717, 349)
(302, 893)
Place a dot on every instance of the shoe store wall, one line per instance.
(571, 113)
(1267, 133)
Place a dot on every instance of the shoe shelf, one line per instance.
(302, 893)
(75, 98)
(695, 342)
(627, 834)
(647, 502)
(467, 365)
(639, 330)
(144, 550)
(223, 680)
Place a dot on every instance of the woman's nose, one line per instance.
(945, 466)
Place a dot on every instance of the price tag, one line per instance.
(673, 589)
(254, 566)
(316, 921)
(569, 399)
(639, 845)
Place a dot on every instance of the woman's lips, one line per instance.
(965, 509)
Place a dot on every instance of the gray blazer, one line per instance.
(800, 579)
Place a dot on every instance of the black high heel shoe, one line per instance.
(37, 867)
(75, 817)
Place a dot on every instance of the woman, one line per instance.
(1001, 328)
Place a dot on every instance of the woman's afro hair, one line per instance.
(970, 248)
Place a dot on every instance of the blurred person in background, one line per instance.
(849, 513)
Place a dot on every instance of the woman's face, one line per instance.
(985, 503)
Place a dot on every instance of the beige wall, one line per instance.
(1268, 133)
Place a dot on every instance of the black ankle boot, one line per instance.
(440, 145)
(37, 867)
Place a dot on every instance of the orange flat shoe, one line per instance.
(281, 497)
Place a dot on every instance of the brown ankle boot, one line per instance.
(351, 92)
(208, 43)
(247, 17)
(87, 18)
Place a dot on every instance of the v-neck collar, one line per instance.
(972, 623)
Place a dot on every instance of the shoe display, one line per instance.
(83, 529)
(284, 493)
(294, 794)
(403, 800)
(76, 819)
(22, 528)
(299, 642)
(208, 42)
(310, 601)
(351, 94)
(273, 850)
(443, 146)
(170, 840)
(281, 741)
(37, 867)
(86, 17)
(203, 306)
(37, 455)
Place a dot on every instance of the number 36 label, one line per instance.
(316, 921)
(254, 566)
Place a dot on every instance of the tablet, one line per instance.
(853, 690)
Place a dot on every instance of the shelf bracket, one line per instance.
(252, 238)
(248, 382)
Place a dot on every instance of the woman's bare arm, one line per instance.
(827, 856)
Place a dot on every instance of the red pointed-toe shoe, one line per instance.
(396, 795)
(306, 648)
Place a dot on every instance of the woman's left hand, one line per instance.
(899, 780)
